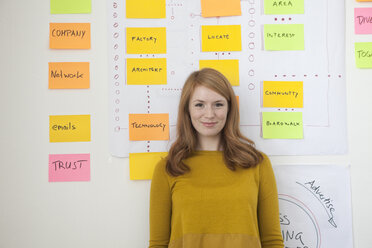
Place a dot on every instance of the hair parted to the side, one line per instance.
(238, 150)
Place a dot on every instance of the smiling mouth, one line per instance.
(209, 124)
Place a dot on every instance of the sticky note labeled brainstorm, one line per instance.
(68, 75)
(146, 71)
(280, 7)
(228, 67)
(148, 126)
(363, 20)
(142, 165)
(363, 54)
(145, 8)
(69, 167)
(220, 38)
(69, 128)
(283, 94)
(282, 125)
(284, 37)
(69, 35)
(146, 40)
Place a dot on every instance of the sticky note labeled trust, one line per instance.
(363, 20)
(228, 67)
(283, 94)
(68, 75)
(282, 125)
(220, 38)
(276, 7)
(69, 167)
(147, 71)
(142, 165)
(363, 54)
(213, 8)
(69, 128)
(69, 35)
(70, 6)
(146, 40)
(284, 37)
(148, 126)
(145, 8)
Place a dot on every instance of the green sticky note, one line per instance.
(70, 6)
(284, 37)
(283, 7)
(282, 125)
(363, 54)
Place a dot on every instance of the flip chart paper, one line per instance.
(146, 40)
(145, 8)
(212, 8)
(146, 71)
(363, 20)
(68, 75)
(276, 7)
(70, 6)
(228, 67)
(363, 54)
(142, 165)
(69, 35)
(148, 126)
(282, 94)
(282, 125)
(69, 128)
(69, 167)
(219, 38)
(284, 37)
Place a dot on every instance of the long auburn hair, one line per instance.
(238, 150)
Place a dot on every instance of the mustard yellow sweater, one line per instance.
(214, 207)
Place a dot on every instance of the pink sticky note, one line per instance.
(69, 167)
(363, 20)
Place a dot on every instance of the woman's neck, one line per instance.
(207, 143)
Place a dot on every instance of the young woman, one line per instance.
(214, 190)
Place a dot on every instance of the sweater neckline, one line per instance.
(205, 152)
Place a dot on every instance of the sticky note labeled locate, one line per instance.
(68, 75)
(148, 126)
(69, 128)
(284, 37)
(363, 54)
(282, 125)
(146, 40)
(142, 165)
(283, 94)
(228, 67)
(212, 8)
(69, 167)
(363, 20)
(283, 7)
(69, 35)
(70, 6)
(145, 8)
(220, 38)
(147, 71)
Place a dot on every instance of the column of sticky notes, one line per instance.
(363, 26)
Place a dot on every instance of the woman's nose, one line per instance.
(209, 111)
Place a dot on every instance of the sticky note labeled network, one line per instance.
(283, 94)
(145, 8)
(147, 71)
(69, 35)
(228, 67)
(276, 7)
(68, 75)
(284, 37)
(220, 38)
(148, 126)
(142, 165)
(69, 128)
(282, 125)
(213, 8)
(363, 54)
(69, 167)
(363, 20)
(70, 6)
(146, 40)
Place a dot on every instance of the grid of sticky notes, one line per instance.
(363, 26)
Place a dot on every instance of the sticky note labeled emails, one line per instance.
(146, 40)
(220, 38)
(69, 167)
(284, 37)
(279, 7)
(147, 71)
(145, 8)
(69, 35)
(142, 165)
(282, 125)
(68, 75)
(283, 94)
(363, 20)
(363, 54)
(213, 8)
(228, 67)
(148, 126)
(70, 6)
(69, 128)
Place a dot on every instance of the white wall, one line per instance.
(111, 210)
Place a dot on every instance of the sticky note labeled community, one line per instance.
(146, 40)
(70, 6)
(69, 167)
(283, 94)
(68, 75)
(69, 128)
(146, 71)
(148, 126)
(363, 54)
(69, 35)
(363, 20)
(220, 38)
(142, 165)
(213, 8)
(284, 37)
(228, 67)
(145, 8)
(283, 7)
(282, 125)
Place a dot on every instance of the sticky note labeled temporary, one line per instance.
(228, 67)
(146, 40)
(69, 167)
(148, 126)
(142, 165)
(363, 20)
(363, 54)
(213, 8)
(219, 38)
(68, 75)
(147, 71)
(69, 128)
(283, 94)
(145, 8)
(69, 35)
(282, 125)
(283, 7)
(70, 6)
(284, 37)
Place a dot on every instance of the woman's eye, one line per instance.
(219, 105)
(199, 105)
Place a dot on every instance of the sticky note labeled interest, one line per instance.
(213, 8)
(69, 35)
(283, 7)
(145, 8)
(228, 67)
(147, 71)
(69, 128)
(69, 167)
(282, 125)
(363, 20)
(68, 75)
(220, 38)
(148, 126)
(146, 40)
(284, 37)
(70, 6)
(283, 94)
(142, 165)
(363, 54)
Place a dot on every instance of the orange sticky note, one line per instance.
(211, 8)
(68, 75)
(148, 126)
(364, 0)
(69, 35)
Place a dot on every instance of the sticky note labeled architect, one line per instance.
(220, 38)
(142, 165)
(146, 71)
(363, 54)
(145, 8)
(69, 167)
(146, 40)
(363, 20)
(284, 37)
(283, 7)
(68, 75)
(69, 35)
(228, 67)
(69, 128)
(282, 125)
(283, 94)
(148, 126)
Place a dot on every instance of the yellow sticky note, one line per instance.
(69, 35)
(146, 40)
(282, 125)
(283, 94)
(147, 71)
(142, 165)
(145, 8)
(228, 67)
(211, 8)
(284, 37)
(69, 128)
(68, 75)
(219, 38)
(148, 126)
